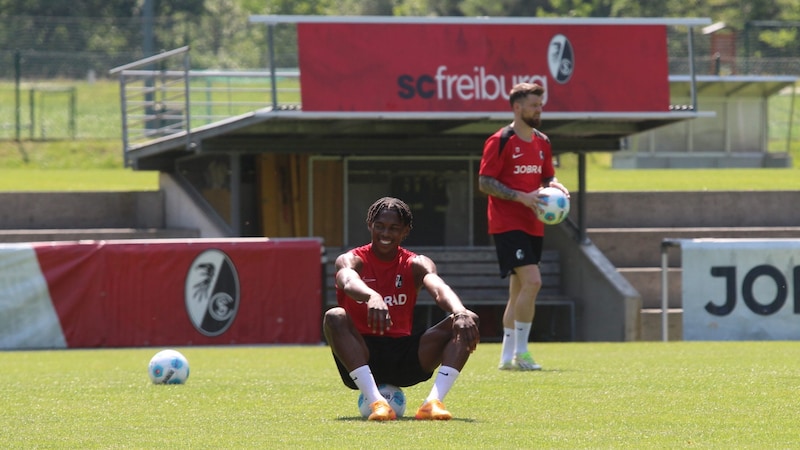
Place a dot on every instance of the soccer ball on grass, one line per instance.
(393, 394)
(556, 208)
(168, 367)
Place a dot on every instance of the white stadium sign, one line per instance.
(741, 289)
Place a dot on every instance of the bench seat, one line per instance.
(473, 274)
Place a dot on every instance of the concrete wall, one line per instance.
(172, 206)
(607, 306)
(625, 230)
(74, 216)
(169, 208)
(181, 211)
(80, 210)
(691, 209)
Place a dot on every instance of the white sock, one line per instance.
(366, 383)
(521, 332)
(444, 381)
(507, 353)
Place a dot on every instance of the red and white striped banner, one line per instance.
(160, 292)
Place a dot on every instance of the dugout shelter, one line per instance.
(393, 106)
(401, 104)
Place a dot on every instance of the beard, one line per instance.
(532, 121)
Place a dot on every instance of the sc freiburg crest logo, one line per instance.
(212, 292)
(560, 58)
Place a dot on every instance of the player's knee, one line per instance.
(532, 284)
(334, 318)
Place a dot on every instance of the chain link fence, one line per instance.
(70, 47)
(54, 70)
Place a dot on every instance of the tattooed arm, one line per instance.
(491, 186)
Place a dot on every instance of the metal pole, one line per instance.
(236, 194)
(664, 293)
(471, 204)
(665, 245)
(148, 38)
(346, 203)
(209, 98)
(791, 120)
(582, 197)
(310, 197)
(747, 47)
(17, 99)
(32, 111)
(271, 37)
(124, 107)
(148, 45)
(187, 101)
(72, 110)
(693, 84)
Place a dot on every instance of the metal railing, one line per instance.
(161, 96)
(161, 111)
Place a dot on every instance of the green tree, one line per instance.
(504, 8)
(221, 36)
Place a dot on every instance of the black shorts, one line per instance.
(517, 248)
(392, 361)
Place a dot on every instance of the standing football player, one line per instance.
(517, 163)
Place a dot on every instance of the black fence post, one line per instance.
(17, 99)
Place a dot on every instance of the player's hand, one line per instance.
(538, 200)
(465, 331)
(534, 199)
(378, 318)
(560, 187)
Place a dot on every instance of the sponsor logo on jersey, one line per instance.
(527, 168)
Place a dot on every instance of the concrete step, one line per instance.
(690, 209)
(97, 234)
(647, 281)
(651, 325)
(641, 247)
(52, 210)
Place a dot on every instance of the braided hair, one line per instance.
(392, 204)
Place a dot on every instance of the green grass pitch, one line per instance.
(589, 395)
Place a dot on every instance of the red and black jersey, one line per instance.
(394, 280)
(521, 166)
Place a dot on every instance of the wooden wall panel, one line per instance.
(329, 201)
(283, 194)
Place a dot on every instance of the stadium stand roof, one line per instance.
(268, 130)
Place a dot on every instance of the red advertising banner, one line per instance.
(363, 67)
(172, 292)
